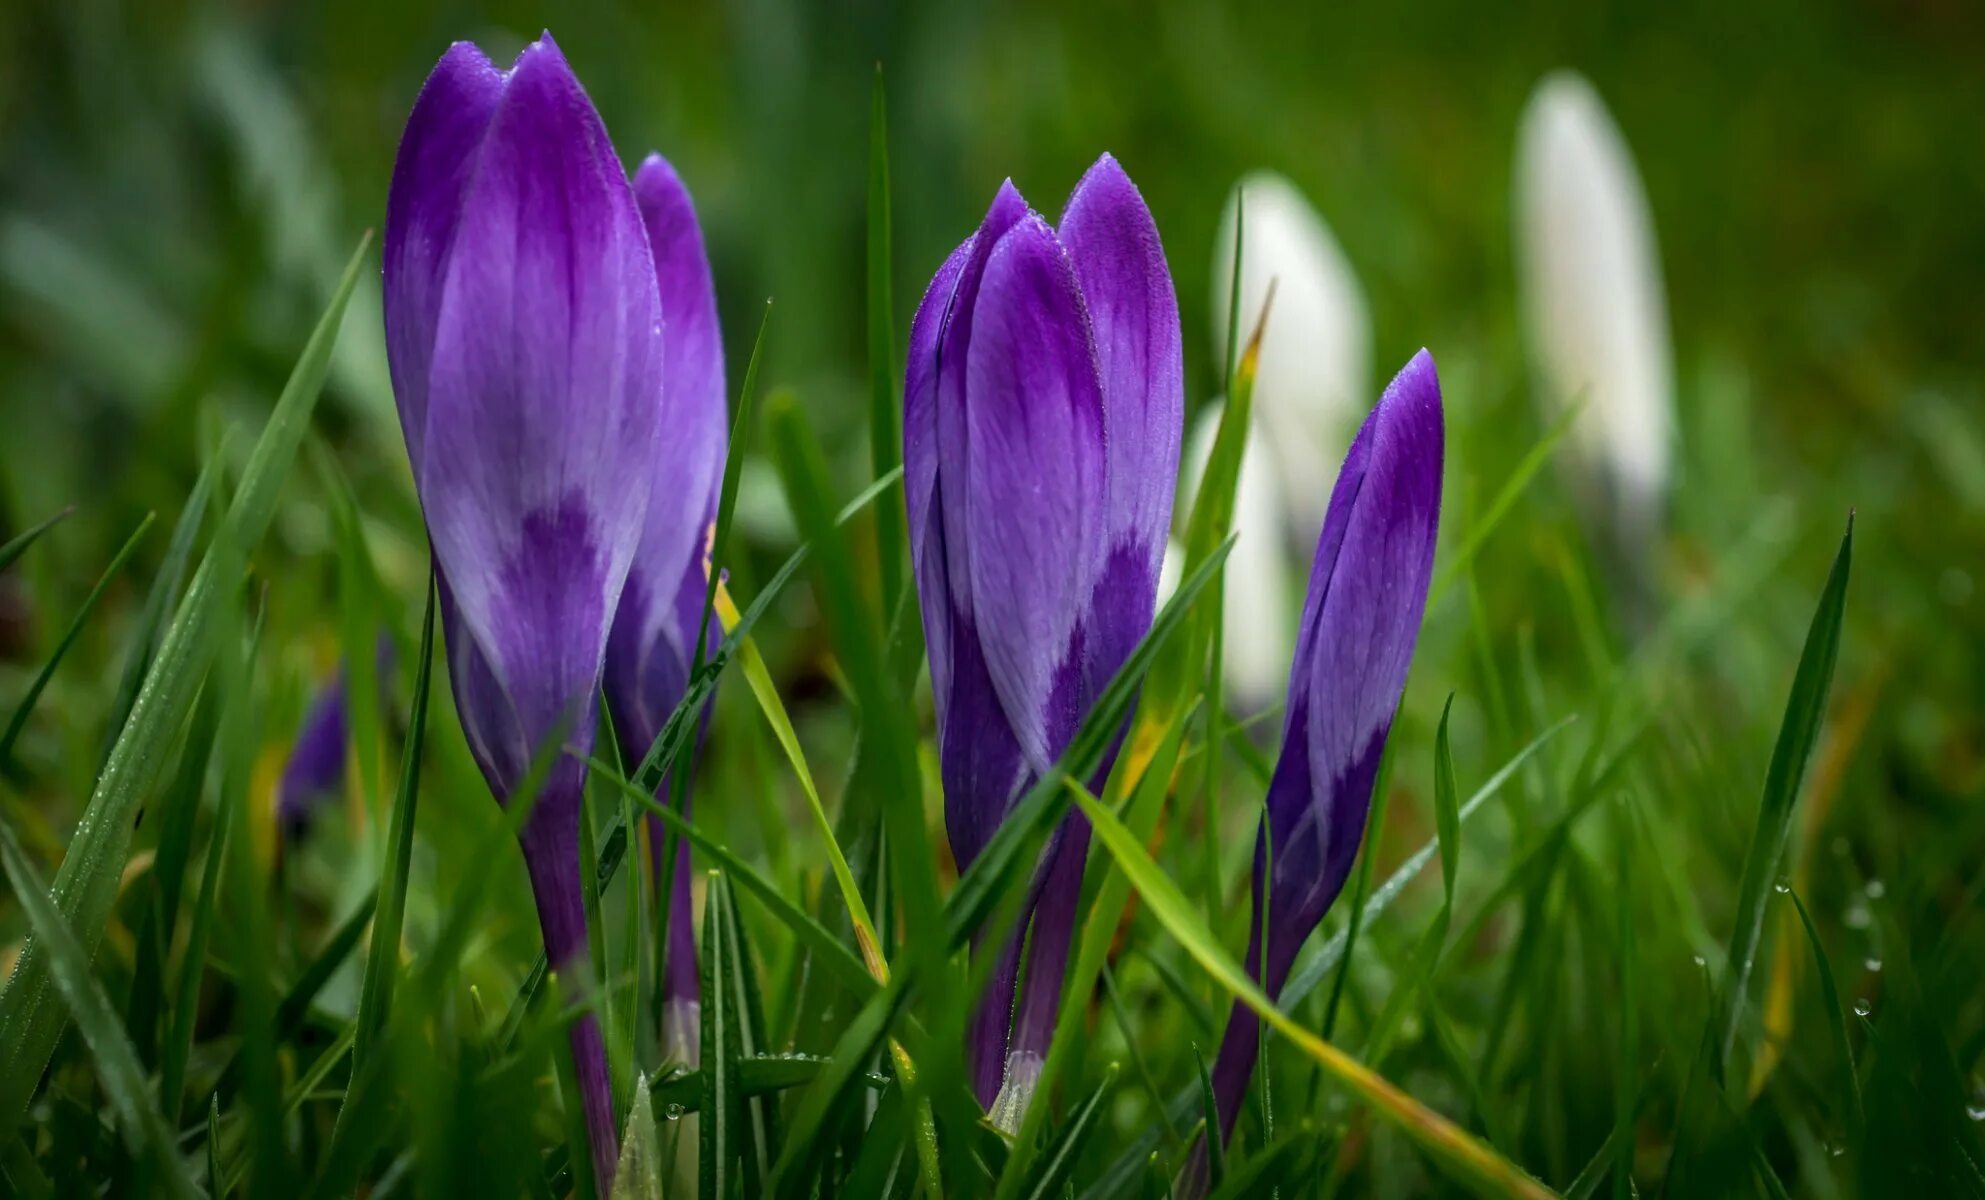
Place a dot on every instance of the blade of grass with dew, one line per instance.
(117, 1069)
(85, 887)
(1804, 713)
(759, 1119)
(186, 1003)
(144, 639)
(25, 707)
(1059, 1164)
(1470, 1160)
(19, 543)
(638, 1175)
(382, 961)
(720, 1113)
(1835, 1017)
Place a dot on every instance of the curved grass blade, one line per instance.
(186, 1003)
(1463, 1154)
(1060, 1162)
(382, 962)
(85, 887)
(158, 601)
(1804, 713)
(1216, 1146)
(117, 1067)
(1835, 1016)
(26, 706)
(19, 543)
(720, 1111)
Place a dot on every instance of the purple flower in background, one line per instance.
(523, 330)
(1043, 405)
(654, 640)
(316, 767)
(1367, 593)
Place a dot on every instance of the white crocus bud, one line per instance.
(1258, 626)
(1595, 313)
(1311, 386)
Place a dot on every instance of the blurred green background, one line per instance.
(180, 185)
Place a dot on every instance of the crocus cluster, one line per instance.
(1354, 643)
(1042, 411)
(525, 331)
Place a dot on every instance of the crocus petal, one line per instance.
(1311, 380)
(437, 156)
(1594, 307)
(542, 408)
(1034, 482)
(1255, 619)
(1127, 288)
(920, 462)
(1368, 590)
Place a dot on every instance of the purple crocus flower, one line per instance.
(1042, 410)
(1367, 593)
(653, 645)
(523, 330)
(316, 766)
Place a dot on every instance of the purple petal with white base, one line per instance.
(524, 336)
(1367, 595)
(1041, 434)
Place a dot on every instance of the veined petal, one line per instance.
(543, 402)
(1594, 307)
(1035, 482)
(437, 156)
(1120, 264)
(1368, 592)
(653, 643)
(920, 468)
(1312, 378)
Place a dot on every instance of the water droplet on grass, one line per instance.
(1976, 1112)
(673, 1112)
(1876, 889)
(1863, 1006)
(1873, 964)
(1782, 888)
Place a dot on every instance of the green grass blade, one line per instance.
(382, 961)
(23, 709)
(885, 430)
(186, 1004)
(1464, 1155)
(1836, 1016)
(1060, 1161)
(1804, 713)
(720, 1111)
(1311, 969)
(638, 1175)
(144, 639)
(1209, 1108)
(117, 1068)
(19, 543)
(85, 887)
(1512, 490)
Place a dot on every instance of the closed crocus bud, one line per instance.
(1254, 608)
(315, 770)
(524, 334)
(654, 642)
(1595, 312)
(1312, 377)
(1354, 643)
(1042, 410)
